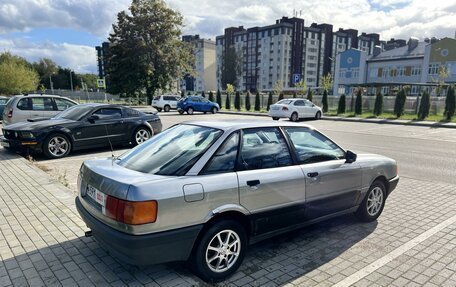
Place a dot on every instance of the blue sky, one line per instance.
(68, 30)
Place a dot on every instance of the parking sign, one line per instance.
(296, 78)
(101, 83)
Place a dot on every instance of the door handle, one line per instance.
(252, 183)
(312, 174)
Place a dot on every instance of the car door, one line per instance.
(42, 107)
(23, 110)
(270, 186)
(300, 107)
(332, 184)
(110, 126)
(195, 103)
(309, 108)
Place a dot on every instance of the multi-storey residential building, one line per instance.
(204, 78)
(342, 41)
(367, 42)
(415, 64)
(280, 54)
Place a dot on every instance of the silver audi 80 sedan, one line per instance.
(203, 191)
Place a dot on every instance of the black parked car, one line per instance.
(81, 127)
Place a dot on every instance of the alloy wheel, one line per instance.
(374, 201)
(142, 135)
(223, 251)
(58, 146)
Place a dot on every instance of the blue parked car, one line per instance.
(3, 101)
(196, 104)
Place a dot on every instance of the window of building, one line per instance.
(416, 70)
(433, 69)
(373, 72)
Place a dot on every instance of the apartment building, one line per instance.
(204, 67)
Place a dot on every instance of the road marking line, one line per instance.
(355, 277)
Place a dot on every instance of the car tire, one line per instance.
(158, 109)
(214, 110)
(214, 252)
(373, 203)
(275, 118)
(294, 117)
(181, 112)
(318, 115)
(56, 146)
(141, 135)
(190, 111)
(167, 108)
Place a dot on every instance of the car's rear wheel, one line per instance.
(318, 115)
(56, 146)
(141, 135)
(373, 203)
(294, 117)
(220, 251)
(214, 110)
(167, 108)
(275, 118)
(159, 109)
(190, 111)
(181, 112)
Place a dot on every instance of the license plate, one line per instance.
(96, 195)
(4, 144)
(274, 108)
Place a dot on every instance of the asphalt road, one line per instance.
(422, 153)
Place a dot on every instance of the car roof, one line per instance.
(96, 105)
(243, 124)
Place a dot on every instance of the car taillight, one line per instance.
(284, 108)
(10, 113)
(131, 212)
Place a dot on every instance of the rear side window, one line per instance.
(42, 104)
(63, 104)
(168, 98)
(224, 160)
(25, 104)
(131, 113)
(157, 98)
(264, 148)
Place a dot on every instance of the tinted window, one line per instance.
(24, 104)
(131, 112)
(299, 103)
(108, 113)
(264, 148)
(172, 152)
(169, 98)
(63, 104)
(311, 146)
(74, 113)
(157, 98)
(224, 160)
(42, 104)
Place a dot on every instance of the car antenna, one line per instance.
(110, 145)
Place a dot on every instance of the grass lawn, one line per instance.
(391, 116)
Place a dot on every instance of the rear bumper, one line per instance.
(392, 183)
(279, 114)
(173, 245)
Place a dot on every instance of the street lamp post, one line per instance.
(51, 83)
(71, 80)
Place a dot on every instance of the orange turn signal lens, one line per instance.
(140, 212)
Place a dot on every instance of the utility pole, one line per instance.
(71, 80)
(51, 84)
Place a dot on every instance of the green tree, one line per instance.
(211, 96)
(45, 68)
(359, 103)
(378, 106)
(257, 102)
(450, 103)
(219, 98)
(16, 75)
(341, 106)
(237, 101)
(146, 52)
(229, 91)
(302, 87)
(309, 95)
(425, 106)
(231, 66)
(280, 96)
(324, 101)
(90, 80)
(247, 101)
(269, 100)
(399, 103)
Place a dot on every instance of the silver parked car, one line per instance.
(203, 191)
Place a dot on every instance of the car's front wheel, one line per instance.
(141, 135)
(214, 110)
(56, 146)
(190, 111)
(373, 203)
(318, 115)
(181, 112)
(220, 251)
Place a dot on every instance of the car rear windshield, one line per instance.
(172, 152)
(74, 113)
(284, 102)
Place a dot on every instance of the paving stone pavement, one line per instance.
(42, 242)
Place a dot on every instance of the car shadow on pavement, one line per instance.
(273, 262)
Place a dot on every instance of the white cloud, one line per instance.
(79, 58)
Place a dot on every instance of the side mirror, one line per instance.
(93, 118)
(350, 156)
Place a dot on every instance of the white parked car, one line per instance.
(165, 102)
(294, 109)
(23, 107)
